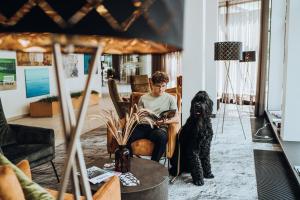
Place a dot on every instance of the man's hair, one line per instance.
(159, 77)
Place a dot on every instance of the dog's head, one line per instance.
(201, 106)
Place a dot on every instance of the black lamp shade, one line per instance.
(248, 56)
(123, 26)
(228, 50)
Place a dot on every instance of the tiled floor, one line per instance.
(91, 122)
(55, 122)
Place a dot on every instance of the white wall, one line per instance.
(291, 95)
(192, 60)
(16, 104)
(276, 55)
(199, 67)
(210, 37)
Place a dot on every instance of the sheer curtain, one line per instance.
(240, 21)
(173, 66)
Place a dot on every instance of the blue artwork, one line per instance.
(37, 82)
(87, 61)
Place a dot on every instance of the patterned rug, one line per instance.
(231, 155)
(94, 147)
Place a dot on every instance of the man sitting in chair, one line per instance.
(157, 101)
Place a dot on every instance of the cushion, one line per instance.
(31, 152)
(67, 196)
(6, 135)
(109, 190)
(10, 188)
(25, 167)
(30, 189)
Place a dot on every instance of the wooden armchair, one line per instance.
(145, 147)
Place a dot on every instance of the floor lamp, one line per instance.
(228, 51)
(248, 56)
(88, 26)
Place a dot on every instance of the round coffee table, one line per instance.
(153, 180)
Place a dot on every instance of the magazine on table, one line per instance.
(167, 114)
(98, 175)
(128, 179)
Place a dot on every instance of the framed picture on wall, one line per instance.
(37, 82)
(8, 74)
(87, 63)
(70, 63)
(34, 59)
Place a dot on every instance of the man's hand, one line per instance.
(161, 122)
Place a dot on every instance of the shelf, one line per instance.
(290, 149)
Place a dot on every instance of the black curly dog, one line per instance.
(195, 140)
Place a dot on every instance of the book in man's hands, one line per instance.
(98, 175)
(167, 114)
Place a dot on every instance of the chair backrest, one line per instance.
(115, 97)
(6, 135)
(179, 85)
(140, 83)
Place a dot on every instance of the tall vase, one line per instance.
(122, 159)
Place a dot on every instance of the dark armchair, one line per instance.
(121, 105)
(19, 142)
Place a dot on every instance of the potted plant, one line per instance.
(122, 129)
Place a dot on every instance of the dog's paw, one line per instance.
(198, 182)
(209, 176)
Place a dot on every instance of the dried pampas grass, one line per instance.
(122, 129)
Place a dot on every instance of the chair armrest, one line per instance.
(33, 135)
(135, 97)
(124, 108)
(111, 190)
(138, 93)
(171, 90)
(172, 135)
(124, 105)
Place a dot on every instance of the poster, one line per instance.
(34, 59)
(37, 82)
(70, 63)
(87, 60)
(8, 74)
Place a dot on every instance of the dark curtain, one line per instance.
(116, 66)
(158, 63)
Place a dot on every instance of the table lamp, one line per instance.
(88, 26)
(228, 51)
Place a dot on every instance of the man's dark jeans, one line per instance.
(157, 135)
